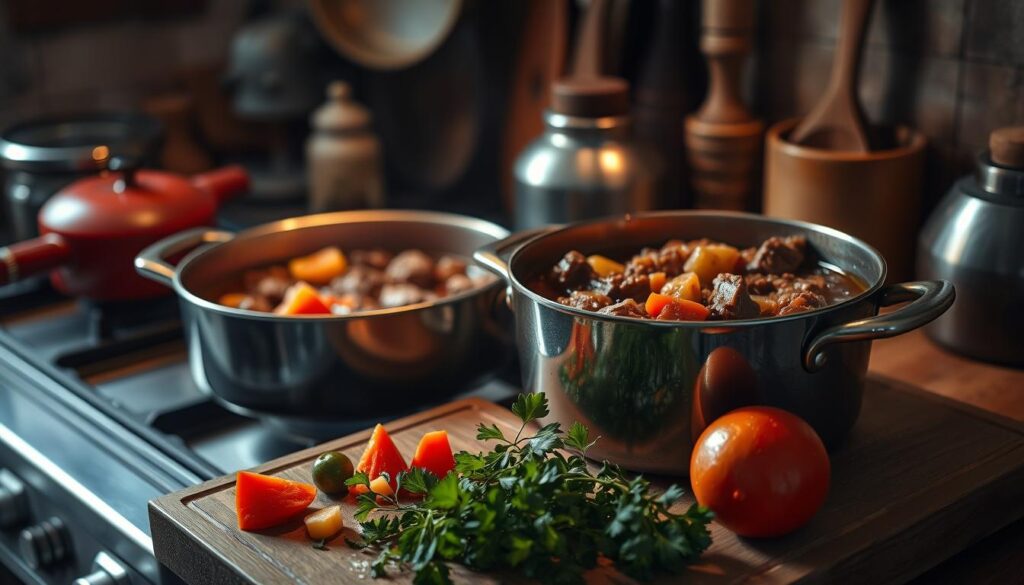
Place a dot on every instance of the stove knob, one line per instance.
(106, 571)
(45, 544)
(13, 500)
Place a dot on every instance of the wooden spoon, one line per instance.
(837, 122)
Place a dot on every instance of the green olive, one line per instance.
(330, 470)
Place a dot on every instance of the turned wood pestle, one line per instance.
(723, 139)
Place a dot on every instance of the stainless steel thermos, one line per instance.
(975, 238)
(584, 165)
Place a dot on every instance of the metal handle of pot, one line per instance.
(494, 256)
(926, 300)
(152, 261)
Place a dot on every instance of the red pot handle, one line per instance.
(41, 254)
(223, 183)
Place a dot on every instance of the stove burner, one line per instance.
(110, 320)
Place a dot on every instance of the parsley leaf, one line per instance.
(489, 433)
(530, 407)
(578, 438)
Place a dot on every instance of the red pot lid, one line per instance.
(127, 203)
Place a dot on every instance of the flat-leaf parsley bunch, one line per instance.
(527, 506)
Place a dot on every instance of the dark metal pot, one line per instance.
(648, 388)
(311, 372)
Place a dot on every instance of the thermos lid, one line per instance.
(341, 112)
(591, 97)
(1006, 146)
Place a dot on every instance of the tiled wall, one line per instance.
(952, 68)
(107, 65)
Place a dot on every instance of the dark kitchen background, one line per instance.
(952, 68)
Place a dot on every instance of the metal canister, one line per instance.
(975, 238)
(585, 164)
(343, 155)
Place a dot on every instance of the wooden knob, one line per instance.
(1006, 146)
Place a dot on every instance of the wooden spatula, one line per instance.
(837, 122)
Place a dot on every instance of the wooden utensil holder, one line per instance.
(872, 195)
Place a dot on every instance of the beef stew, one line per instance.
(698, 280)
(332, 282)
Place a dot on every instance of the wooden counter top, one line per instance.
(914, 359)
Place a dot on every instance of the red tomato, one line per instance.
(763, 471)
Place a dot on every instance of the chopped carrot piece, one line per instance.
(302, 299)
(656, 302)
(262, 501)
(672, 309)
(434, 454)
(381, 455)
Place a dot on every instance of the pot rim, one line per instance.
(869, 290)
(338, 217)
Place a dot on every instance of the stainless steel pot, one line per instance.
(648, 388)
(311, 371)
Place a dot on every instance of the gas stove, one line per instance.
(98, 415)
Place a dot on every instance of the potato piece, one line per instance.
(319, 268)
(381, 487)
(685, 287)
(711, 260)
(325, 523)
(604, 266)
(657, 280)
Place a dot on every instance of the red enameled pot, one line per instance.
(91, 231)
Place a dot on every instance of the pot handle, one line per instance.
(152, 261)
(926, 300)
(494, 256)
(223, 183)
(23, 259)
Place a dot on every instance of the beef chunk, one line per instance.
(457, 283)
(796, 302)
(360, 279)
(270, 284)
(760, 284)
(572, 272)
(448, 266)
(375, 258)
(763, 284)
(779, 255)
(730, 300)
(401, 294)
(626, 308)
(644, 263)
(619, 287)
(587, 300)
(413, 267)
(255, 303)
(672, 259)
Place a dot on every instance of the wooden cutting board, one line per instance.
(920, 478)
